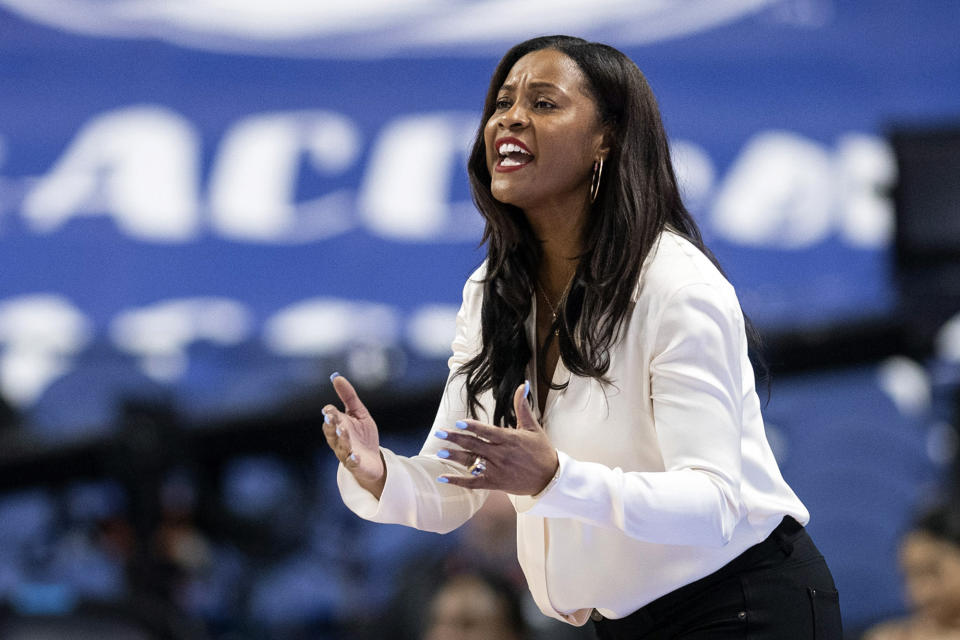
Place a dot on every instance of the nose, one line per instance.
(516, 117)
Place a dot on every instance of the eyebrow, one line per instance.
(536, 84)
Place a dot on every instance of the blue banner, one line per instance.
(215, 205)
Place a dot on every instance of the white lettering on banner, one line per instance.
(695, 172)
(364, 331)
(787, 192)
(40, 334)
(867, 170)
(325, 326)
(160, 334)
(140, 166)
(779, 192)
(137, 164)
(431, 329)
(406, 189)
(254, 178)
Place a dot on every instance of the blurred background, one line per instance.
(206, 207)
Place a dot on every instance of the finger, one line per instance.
(343, 436)
(521, 406)
(331, 435)
(467, 482)
(335, 418)
(335, 437)
(336, 432)
(343, 453)
(472, 445)
(464, 458)
(485, 431)
(351, 461)
(348, 395)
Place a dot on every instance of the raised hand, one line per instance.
(520, 461)
(353, 436)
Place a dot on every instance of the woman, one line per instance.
(647, 496)
(930, 561)
(474, 606)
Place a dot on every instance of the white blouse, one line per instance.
(665, 475)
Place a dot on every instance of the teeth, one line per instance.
(509, 147)
(510, 162)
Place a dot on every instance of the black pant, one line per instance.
(779, 589)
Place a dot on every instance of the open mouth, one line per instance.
(513, 155)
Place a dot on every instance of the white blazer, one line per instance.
(665, 475)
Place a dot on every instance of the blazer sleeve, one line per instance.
(411, 495)
(697, 397)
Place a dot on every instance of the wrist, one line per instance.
(553, 478)
(372, 482)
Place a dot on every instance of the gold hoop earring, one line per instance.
(595, 180)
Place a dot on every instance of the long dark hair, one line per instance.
(638, 198)
(942, 521)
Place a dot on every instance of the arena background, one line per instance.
(207, 207)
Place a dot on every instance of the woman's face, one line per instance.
(932, 571)
(466, 608)
(544, 134)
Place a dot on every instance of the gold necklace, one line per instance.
(553, 309)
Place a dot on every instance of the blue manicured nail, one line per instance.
(334, 375)
(461, 424)
(440, 434)
(442, 479)
(339, 433)
(326, 419)
(443, 453)
(353, 457)
(526, 389)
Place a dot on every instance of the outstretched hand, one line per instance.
(353, 436)
(520, 461)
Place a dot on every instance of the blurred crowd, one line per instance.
(214, 536)
(291, 562)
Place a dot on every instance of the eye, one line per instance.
(503, 103)
(543, 103)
